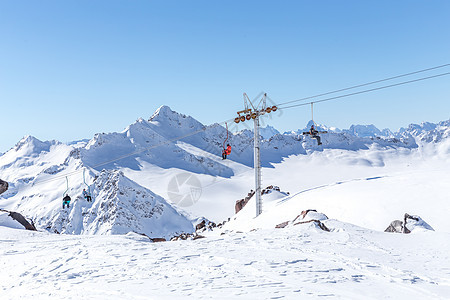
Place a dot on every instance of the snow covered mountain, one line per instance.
(268, 132)
(427, 132)
(120, 206)
(153, 142)
(126, 170)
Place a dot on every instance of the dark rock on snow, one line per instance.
(241, 203)
(408, 224)
(205, 225)
(3, 186)
(21, 219)
(307, 216)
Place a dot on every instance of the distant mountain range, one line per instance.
(121, 205)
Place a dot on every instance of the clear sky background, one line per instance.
(70, 69)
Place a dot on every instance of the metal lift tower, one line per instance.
(252, 111)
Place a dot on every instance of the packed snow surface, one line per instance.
(299, 262)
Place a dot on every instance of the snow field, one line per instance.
(300, 262)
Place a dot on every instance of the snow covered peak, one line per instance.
(162, 111)
(319, 127)
(30, 145)
(171, 123)
(427, 132)
(268, 132)
(364, 130)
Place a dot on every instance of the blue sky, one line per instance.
(70, 69)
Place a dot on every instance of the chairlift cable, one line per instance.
(226, 126)
(67, 180)
(365, 91)
(365, 84)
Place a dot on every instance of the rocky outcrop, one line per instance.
(3, 186)
(395, 226)
(154, 240)
(282, 225)
(318, 224)
(270, 188)
(157, 240)
(187, 236)
(307, 216)
(409, 224)
(21, 219)
(241, 203)
(310, 214)
(205, 225)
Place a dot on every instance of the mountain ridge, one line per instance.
(154, 143)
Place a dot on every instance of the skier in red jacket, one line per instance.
(226, 151)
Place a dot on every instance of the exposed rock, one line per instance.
(183, 237)
(3, 186)
(310, 214)
(157, 240)
(307, 216)
(282, 225)
(395, 226)
(409, 224)
(21, 219)
(187, 236)
(269, 188)
(205, 225)
(416, 223)
(241, 203)
(318, 223)
(200, 225)
(154, 240)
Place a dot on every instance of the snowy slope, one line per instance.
(369, 188)
(299, 262)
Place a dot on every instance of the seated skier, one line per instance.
(226, 151)
(66, 201)
(87, 196)
(315, 135)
